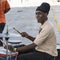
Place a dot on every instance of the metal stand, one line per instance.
(6, 38)
(7, 48)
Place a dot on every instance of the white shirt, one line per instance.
(46, 40)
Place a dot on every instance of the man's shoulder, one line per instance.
(48, 27)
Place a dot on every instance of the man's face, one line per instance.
(40, 16)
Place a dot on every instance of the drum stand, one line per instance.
(7, 55)
(6, 38)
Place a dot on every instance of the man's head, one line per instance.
(42, 12)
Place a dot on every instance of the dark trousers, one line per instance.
(58, 57)
(2, 25)
(34, 55)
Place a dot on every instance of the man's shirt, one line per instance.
(46, 40)
(3, 5)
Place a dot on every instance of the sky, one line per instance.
(27, 3)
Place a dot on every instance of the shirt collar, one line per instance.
(42, 26)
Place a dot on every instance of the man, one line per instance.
(4, 8)
(44, 45)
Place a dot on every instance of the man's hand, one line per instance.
(11, 48)
(24, 34)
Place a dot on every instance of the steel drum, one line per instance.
(11, 55)
(9, 35)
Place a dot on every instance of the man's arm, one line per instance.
(6, 10)
(24, 34)
(7, 7)
(21, 49)
(26, 48)
(30, 38)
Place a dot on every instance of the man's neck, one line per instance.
(43, 22)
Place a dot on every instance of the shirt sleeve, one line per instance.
(41, 37)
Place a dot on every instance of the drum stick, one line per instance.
(17, 30)
(2, 41)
